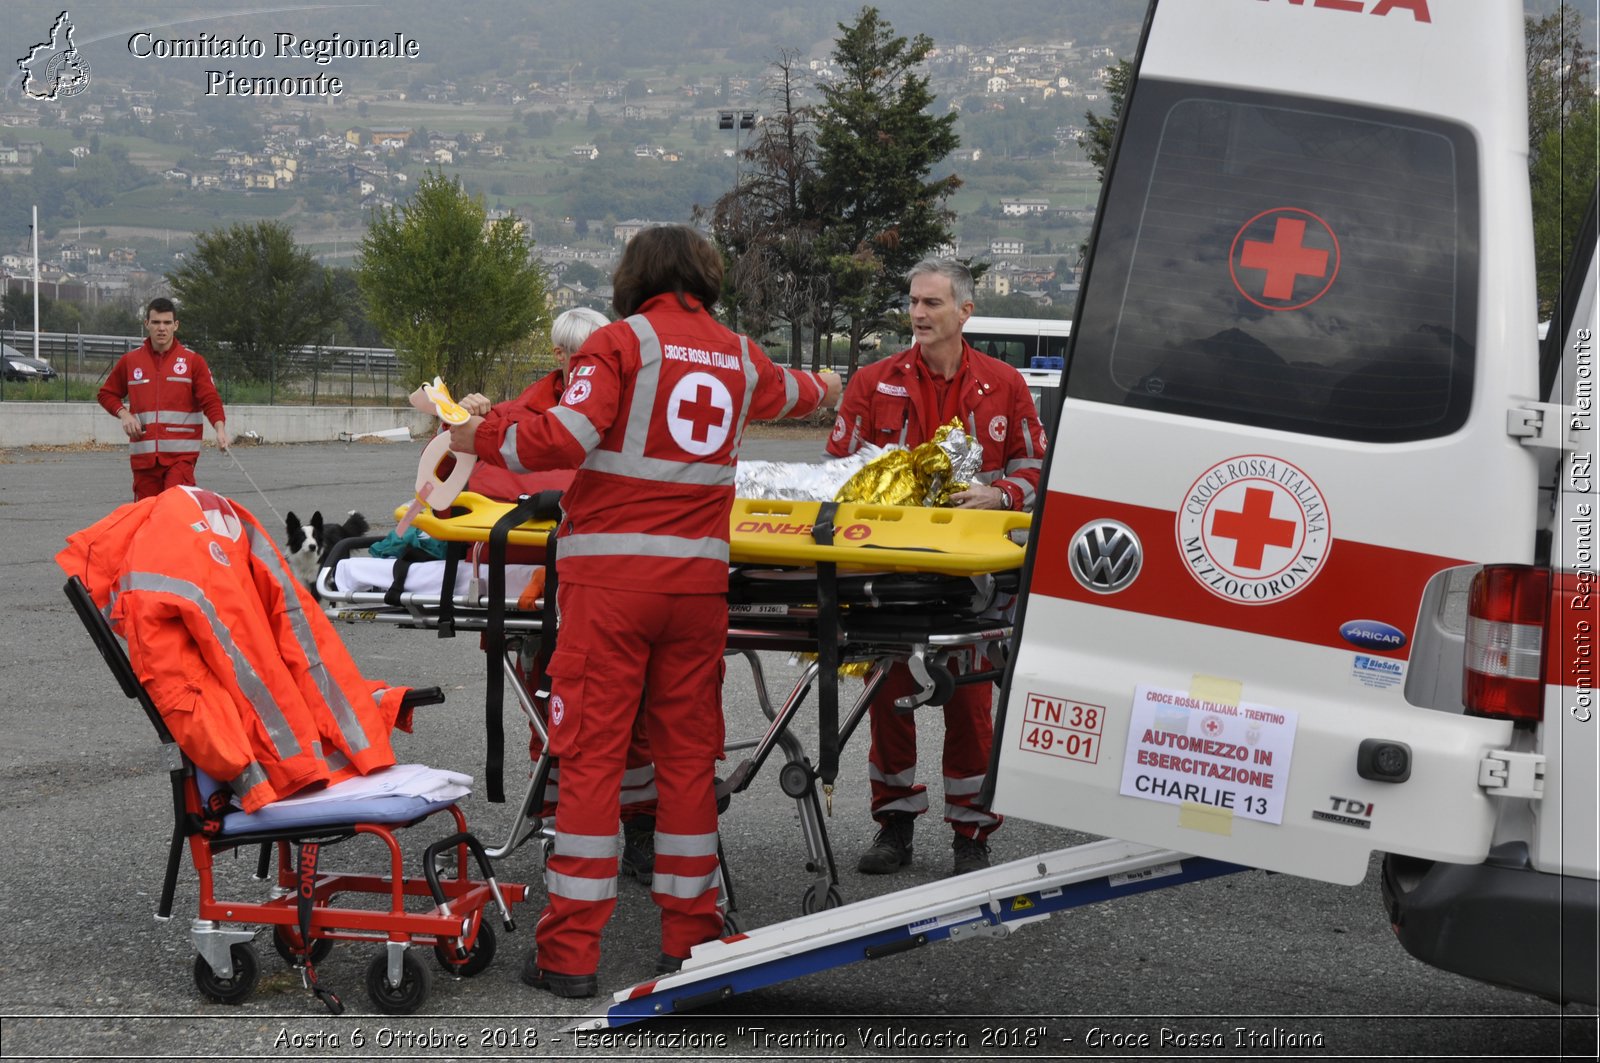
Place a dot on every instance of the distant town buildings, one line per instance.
(358, 165)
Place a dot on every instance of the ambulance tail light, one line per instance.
(1506, 612)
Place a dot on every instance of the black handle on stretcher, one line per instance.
(827, 649)
(422, 696)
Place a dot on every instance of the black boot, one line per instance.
(891, 849)
(970, 855)
(562, 985)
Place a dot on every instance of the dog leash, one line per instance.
(237, 464)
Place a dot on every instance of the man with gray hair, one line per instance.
(903, 400)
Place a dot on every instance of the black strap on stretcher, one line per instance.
(453, 553)
(526, 508)
(402, 567)
(827, 648)
(305, 903)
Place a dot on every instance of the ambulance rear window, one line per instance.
(1289, 264)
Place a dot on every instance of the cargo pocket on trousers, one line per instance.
(565, 715)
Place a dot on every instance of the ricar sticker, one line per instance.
(1254, 529)
(1372, 635)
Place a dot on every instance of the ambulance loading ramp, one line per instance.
(989, 903)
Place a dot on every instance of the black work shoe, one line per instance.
(562, 985)
(970, 855)
(639, 848)
(891, 849)
(667, 964)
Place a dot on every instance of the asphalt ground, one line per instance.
(1250, 965)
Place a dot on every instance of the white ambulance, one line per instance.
(1311, 584)
(1312, 576)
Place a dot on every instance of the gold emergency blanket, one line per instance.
(926, 475)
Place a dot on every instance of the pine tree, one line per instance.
(1096, 143)
(877, 209)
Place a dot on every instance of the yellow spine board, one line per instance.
(958, 542)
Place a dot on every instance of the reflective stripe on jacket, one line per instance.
(652, 415)
(171, 394)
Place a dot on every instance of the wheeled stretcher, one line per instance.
(447, 911)
(853, 587)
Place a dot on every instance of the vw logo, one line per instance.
(1105, 556)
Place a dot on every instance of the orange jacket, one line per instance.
(248, 673)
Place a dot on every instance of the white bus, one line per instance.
(1036, 346)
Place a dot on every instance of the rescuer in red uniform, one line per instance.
(903, 400)
(568, 333)
(163, 394)
(652, 416)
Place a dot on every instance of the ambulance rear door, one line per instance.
(1308, 311)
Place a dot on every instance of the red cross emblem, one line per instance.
(1284, 259)
(1212, 726)
(1253, 528)
(702, 413)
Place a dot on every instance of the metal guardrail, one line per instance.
(82, 349)
(310, 375)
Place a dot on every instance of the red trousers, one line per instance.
(615, 645)
(892, 760)
(157, 478)
(638, 777)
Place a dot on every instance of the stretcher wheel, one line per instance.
(286, 941)
(235, 990)
(831, 899)
(944, 685)
(479, 954)
(405, 998)
(794, 779)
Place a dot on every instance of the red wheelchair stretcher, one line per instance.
(446, 911)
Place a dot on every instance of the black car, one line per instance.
(19, 367)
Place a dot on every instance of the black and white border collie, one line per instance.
(308, 545)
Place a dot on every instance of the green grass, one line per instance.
(170, 207)
(142, 150)
(62, 389)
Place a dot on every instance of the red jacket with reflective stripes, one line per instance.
(652, 415)
(168, 393)
(248, 674)
(497, 481)
(884, 404)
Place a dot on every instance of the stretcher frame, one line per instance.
(848, 620)
(300, 907)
